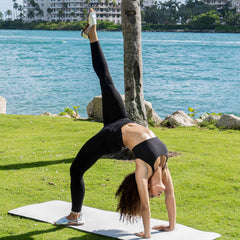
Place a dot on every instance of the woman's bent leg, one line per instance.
(113, 106)
(92, 150)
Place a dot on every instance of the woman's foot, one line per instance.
(71, 219)
(91, 21)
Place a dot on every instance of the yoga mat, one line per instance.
(107, 223)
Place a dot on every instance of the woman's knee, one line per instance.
(76, 170)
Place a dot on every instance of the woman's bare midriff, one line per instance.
(133, 134)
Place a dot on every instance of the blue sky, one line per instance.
(7, 4)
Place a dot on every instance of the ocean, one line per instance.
(46, 71)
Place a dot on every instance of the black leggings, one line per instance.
(109, 139)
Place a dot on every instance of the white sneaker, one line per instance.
(91, 20)
(65, 221)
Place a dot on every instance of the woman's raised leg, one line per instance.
(113, 106)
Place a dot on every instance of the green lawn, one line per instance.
(36, 153)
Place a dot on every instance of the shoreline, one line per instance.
(111, 27)
(143, 31)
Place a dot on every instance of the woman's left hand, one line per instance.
(163, 228)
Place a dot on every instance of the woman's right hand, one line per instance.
(142, 235)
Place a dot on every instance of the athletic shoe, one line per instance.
(65, 221)
(91, 20)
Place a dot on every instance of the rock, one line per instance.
(229, 121)
(205, 115)
(3, 105)
(66, 116)
(49, 114)
(199, 120)
(179, 118)
(152, 117)
(212, 118)
(46, 114)
(94, 110)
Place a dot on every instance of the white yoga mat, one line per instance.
(107, 223)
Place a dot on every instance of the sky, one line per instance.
(7, 4)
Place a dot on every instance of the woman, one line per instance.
(151, 177)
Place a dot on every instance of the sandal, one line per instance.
(91, 20)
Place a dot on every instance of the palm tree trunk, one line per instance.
(131, 27)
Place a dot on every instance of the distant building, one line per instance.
(236, 4)
(32, 12)
(68, 10)
(217, 3)
(71, 10)
(220, 3)
(74, 10)
(148, 3)
(107, 10)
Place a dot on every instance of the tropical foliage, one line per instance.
(192, 15)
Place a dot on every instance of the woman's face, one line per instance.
(155, 189)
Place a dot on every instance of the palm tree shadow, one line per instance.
(34, 164)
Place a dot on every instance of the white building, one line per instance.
(74, 10)
(236, 4)
(71, 10)
(68, 10)
(31, 13)
(148, 3)
(220, 3)
(107, 11)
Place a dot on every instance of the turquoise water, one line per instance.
(49, 70)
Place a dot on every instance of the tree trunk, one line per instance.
(131, 27)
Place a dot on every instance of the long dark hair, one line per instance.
(128, 199)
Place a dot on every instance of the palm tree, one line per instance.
(15, 6)
(1, 16)
(60, 14)
(30, 14)
(32, 3)
(85, 13)
(184, 14)
(72, 14)
(40, 13)
(114, 3)
(8, 13)
(20, 9)
(49, 12)
(133, 72)
(64, 8)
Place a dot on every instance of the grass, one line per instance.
(36, 153)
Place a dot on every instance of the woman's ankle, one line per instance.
(74, 215)
(92, 34)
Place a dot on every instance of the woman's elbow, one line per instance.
(145, 206)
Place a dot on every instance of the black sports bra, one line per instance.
(150, 150)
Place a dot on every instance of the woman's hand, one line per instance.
(163, 228)
(142, 235)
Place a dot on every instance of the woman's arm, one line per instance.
(170, 203)
(141, 175)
